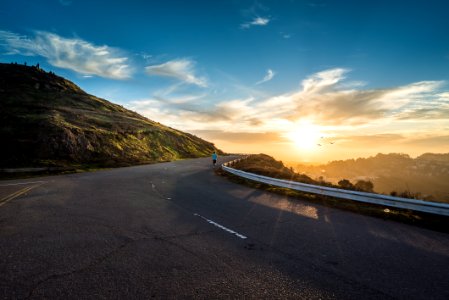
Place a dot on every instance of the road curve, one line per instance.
(177, 230)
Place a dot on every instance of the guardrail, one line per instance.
(397, 202)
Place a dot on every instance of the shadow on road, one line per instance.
(335, 252)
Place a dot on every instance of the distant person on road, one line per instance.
(214, 158)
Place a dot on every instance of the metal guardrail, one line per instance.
(397, 202)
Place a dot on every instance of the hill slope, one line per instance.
(47, 120)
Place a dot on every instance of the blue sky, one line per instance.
(253, 74)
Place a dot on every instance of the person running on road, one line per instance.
(214, 158)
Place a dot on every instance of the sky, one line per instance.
(305, 81)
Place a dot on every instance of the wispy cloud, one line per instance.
(74, 54)
(323, 81)
(270, 74)
(414, 116)
(181, 69)
(257, 21)
(323, 99)
(326, 98)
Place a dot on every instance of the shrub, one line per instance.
(345, 184)
(364, 185)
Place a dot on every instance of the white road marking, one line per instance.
(153, 186)
(22, 183)
(221, 226)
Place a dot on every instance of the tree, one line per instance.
(410, 195)
(364, 185)
(346, 184)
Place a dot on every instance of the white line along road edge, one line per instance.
(221, 226)
(22, 183)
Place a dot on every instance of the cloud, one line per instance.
(260, 21)
(429, 140)
(270, 74)
(181, 69)
(74, 54)
(438, 108)
(359, 120)
(319, 82)
(240, 137)
(398, 142)
(257, 21)
(326, 98)
(369, 139)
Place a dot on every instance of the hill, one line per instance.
(266, 165)
(425, 176)
(48, 121)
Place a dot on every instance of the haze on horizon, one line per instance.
(300, 80)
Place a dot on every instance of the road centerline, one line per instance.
(221, 226)
(17, 194)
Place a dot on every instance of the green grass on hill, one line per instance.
(48, 121)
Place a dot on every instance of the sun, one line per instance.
(305, 135)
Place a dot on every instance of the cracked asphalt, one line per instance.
(135, 233)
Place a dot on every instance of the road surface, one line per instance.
(177, 230)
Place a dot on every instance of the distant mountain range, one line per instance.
(427, 174)
(48, 121)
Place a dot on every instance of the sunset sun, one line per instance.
(305, 136)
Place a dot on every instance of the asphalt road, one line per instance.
(177, 230)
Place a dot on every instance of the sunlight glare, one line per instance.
(305, 136)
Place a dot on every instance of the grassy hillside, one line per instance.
(48, 121)
(266, 165)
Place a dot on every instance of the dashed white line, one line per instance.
(221, 226)
(153, 186)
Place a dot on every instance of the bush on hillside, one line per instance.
(266, 165)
